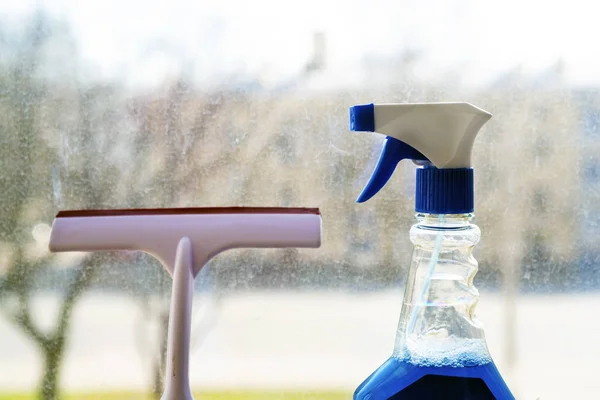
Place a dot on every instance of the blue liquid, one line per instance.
(400, 380)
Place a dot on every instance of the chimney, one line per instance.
(317, 61)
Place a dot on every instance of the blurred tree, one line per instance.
(25, 164)
(29, 164)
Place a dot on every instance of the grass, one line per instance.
(233, 395)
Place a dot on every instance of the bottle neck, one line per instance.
(437, 323)
(449, 221)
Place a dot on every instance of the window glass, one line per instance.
(131, 104)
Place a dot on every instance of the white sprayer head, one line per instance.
(442, 132)
(439, 133)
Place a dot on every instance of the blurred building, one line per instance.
(526, 161)
(290, 146)
(589, 192)
(293, 148)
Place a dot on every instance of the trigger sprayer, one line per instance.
(440, 350)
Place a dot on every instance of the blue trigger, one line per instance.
(392, 153)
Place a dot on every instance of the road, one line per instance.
(313, 340)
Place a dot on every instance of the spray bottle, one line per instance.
(440, 350)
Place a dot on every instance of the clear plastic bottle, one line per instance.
(440, 350)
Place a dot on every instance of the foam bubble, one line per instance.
(451, 352)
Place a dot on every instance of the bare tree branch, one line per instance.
(23, 319)
(83, 279)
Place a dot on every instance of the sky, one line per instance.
(145, 40)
